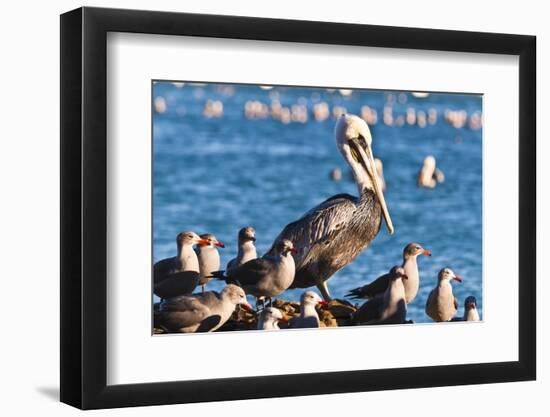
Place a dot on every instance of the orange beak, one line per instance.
(203, 242)
(426, 252)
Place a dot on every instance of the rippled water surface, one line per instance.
(220, 174)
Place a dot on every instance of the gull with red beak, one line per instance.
(389, 307)
(204, 312)
(308, 317)
(178, 275)
(208, 256)
(332, 234)
(442, 304)
(412, 283)
(265, 277)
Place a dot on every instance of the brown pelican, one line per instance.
(387, 308)
(333, 233)
(269, 319)
(247, 250)
(379, 285)
(268, 276)
(204, 312)
(178, 275)
(308, 317)
(470, 310)
(209, 258)
(442, 304)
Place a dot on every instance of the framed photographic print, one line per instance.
(354, 201)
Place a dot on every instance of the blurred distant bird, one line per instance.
(442, 304)
(246, 251)
(178, 275)
(265, 277)
(379, 285)
(269, 319)
(308, 317)
(332, 234)
(209, 258)
(389, 307)
(429, 175)
(470, 310)
(204, 312)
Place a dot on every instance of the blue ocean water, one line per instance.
(219, 174)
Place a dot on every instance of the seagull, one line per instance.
(389, 307)
(269, 319)
(308, 317)
(247, 250)
(470, 310)
(204, 312)
(332, 234)
(442, 304)
(265, 277)
(379, 285)
(178, 275)
(209, 258)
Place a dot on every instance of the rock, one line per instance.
(341, 309)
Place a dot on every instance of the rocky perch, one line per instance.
(336, 313)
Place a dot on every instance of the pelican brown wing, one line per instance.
(317, 227)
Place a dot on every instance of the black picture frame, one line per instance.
(84, 207)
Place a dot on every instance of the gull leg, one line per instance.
(322, 286)
(202, 288)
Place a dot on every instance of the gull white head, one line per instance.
(189, 239)
(446, 274)
(354, 141)
(311, 298)
(236, 295)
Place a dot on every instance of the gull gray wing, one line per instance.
(378, 286)
(182, 312)
(252, 271)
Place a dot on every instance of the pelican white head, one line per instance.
(354, 141)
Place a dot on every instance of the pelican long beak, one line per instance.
(368, 163)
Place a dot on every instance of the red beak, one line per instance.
(458, 279)
(219, 245)
(323, 303)
(203, 242)
(294, 250)
(426, 252)
(247, 307)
